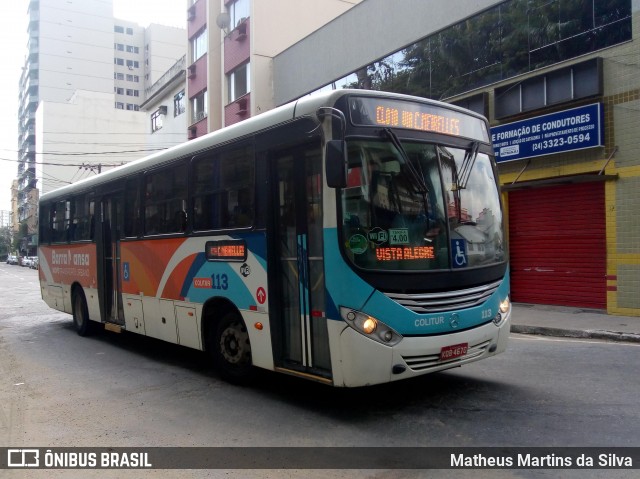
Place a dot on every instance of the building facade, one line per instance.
(232, 44)
(79, 46)
(85, 136)
(166, 106)
(560, 84)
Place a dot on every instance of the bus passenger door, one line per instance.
(108, 243)
(296, 270)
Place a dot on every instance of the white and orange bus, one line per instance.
(350, 237)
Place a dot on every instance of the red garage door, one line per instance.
(558, 245)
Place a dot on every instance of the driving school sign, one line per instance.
(568, 130)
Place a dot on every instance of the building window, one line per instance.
(239, 82)
(118, 29)
(199, 44)
(119, 47)
(156, 121)
(199, 106)
(132, 64)
(131, 92)
(118, 76)
(179, 105)
(118, 90)
(118, 61)
(239, 11)
(133, 78)
(132, 49)
(119, 105)
(129, 31)
(132, 107)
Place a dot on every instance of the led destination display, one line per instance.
(416, 116)
(226, 250)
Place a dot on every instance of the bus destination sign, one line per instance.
(226, 250)
(416, 116)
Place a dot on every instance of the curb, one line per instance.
(576, 333)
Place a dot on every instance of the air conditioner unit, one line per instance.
(242, 30)
(162, 110)
(192, 71)
(242, 106)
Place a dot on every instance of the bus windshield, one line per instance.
(412, 206)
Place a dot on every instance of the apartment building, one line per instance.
(80, 47)
(232, 44)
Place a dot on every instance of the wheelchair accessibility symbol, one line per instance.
(458, 253)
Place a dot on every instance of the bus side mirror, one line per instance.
(336, 163)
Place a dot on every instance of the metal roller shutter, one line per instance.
(557, 241)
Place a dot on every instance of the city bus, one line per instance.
(350, 237)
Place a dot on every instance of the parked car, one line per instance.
(12, 259)
(29, 261)
(34, 262)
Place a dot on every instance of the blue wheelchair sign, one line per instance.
(459, 253)
(125, 271)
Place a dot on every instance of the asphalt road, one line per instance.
(58, 389)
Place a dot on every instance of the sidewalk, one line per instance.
(573, 323)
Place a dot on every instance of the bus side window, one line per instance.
(60, 217)
(223, 195)
(165, 201)
(82, 214)
(45, 224)
(132, 208)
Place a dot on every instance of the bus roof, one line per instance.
(302, 107)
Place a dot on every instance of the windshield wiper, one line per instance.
(467, 165)
(415, 178)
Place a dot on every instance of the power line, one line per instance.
(45, 163)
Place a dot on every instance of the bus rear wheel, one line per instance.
(231, 348)
(81, 321)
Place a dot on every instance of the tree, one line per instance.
(5, 241)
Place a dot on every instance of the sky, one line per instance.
(13, 38)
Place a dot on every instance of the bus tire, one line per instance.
(231, 349)
(81, 321)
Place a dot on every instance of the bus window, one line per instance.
(165, 201)
(80, 228)
(224, 191)
(132, 209)
(45, 224)
(60, 221)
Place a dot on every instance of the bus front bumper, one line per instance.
(366, 362)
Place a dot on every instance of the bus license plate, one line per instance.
(454, 351)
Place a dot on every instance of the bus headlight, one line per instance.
(504, 308)
(370, 327)
(505, 305)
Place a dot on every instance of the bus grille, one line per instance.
(430, 361)
(445, 301)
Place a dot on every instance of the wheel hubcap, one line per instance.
(234, 344)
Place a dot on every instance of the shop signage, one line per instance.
(568, 130)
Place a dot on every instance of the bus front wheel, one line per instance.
(81, 314)
(231, 348)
